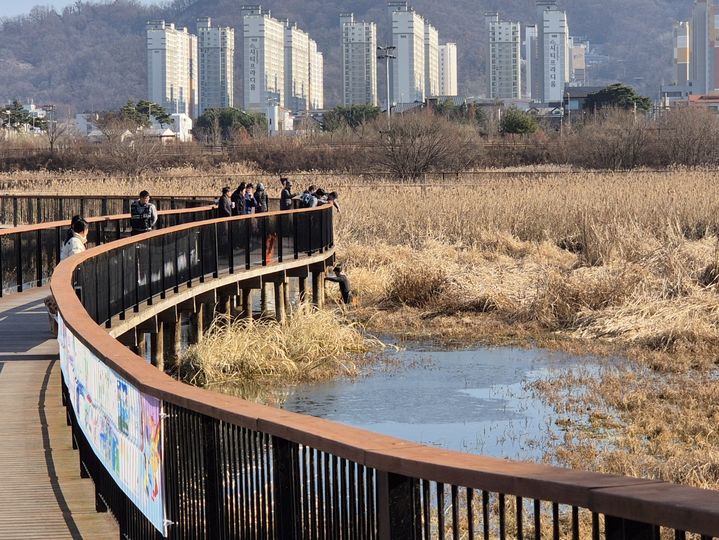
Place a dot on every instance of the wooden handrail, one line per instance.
(641, 500)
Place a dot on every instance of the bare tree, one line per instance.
(417, 143)
(126, 148)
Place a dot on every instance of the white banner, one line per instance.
(122, 425)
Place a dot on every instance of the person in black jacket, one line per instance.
(261, 199)
(224, 204)
(344, 284)
(237, 199)
(286, 196)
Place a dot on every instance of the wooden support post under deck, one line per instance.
(141, 345)
(197, 324)
(318, 286)
(157, 348)
(302, 287)
(280, 312)
(170, 332)
(286, 297)
(263, 300)
(247, 303)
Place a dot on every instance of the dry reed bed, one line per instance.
(591, 263)
(253, 357)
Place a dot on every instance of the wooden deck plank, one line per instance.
(42, 495)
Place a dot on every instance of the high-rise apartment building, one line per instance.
(297, 69)
(264, 59)
(578, 62)
(704, 50)
(552, 68)
(408, 69)
(172, 68)
(681, 53)
(216, 65)
(530, 59)
(316, 77)
(448, 69)
(431, 61)
(504, 63)
(359, 61)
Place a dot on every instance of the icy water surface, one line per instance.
(474, 401)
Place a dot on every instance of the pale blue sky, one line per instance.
(10, 8)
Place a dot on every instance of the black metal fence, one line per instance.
(28, 255)
(34, 209)
(121, 279)
(254, 472)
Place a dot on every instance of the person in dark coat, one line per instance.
(261, 199)
(237, 199)
(224, 204)
(286, 196)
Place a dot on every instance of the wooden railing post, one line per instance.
(396, 507)
(624, 529)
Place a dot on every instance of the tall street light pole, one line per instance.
(386, 53)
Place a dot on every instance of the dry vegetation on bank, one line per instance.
(251, 358)
(591, 263)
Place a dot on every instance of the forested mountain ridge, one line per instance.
(92, 56)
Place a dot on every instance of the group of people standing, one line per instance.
(248, 199)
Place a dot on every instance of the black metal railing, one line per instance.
(34, 209)
(238, 470)
(121, 279)
(29, 254)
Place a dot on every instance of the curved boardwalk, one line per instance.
(42, 494)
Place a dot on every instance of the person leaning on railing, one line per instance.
(75, 242)
(143, 214)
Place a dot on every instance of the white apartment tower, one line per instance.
(704, 47)
(504, 66)
(316, 77)
(359, 61)
(448, 69)
(172, 68)
(530, 59)
(408, 69)
(552, 67)
(216, 66)
(264, 59)
(681, 53)
(431, 61)
(297, 69)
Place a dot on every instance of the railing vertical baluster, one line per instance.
(575, 523)
(470, 512)
(555, 521)
(14, 212)
(280, 235)
(136, 307)
(502, 517)
(201, 253)
(248, 244)
(18, 261)
(595, 526)
(38, 257)
(395, 506)
(216, 250)
(520, 518)
(263, 230)
(537, 519)
(296, 233)
(440, 510)
(213, 478)
(231, 247)
(455, 512)
(485, 514)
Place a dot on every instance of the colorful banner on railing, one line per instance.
(122, 425)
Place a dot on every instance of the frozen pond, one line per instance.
(474, 401)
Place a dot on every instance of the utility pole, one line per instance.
(386, 53)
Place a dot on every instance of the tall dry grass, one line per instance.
(253, 357)
(623, 265)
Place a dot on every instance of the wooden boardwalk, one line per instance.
(42, 494)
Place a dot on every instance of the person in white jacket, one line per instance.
(74, 243)
(77, 240)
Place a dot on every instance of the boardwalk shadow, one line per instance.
(49, 463)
